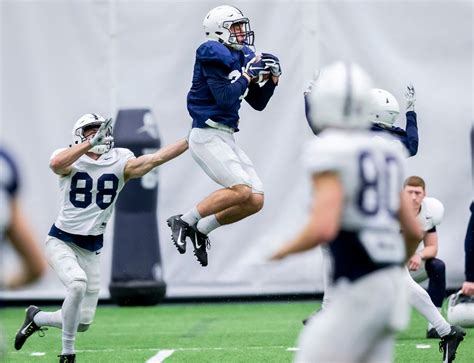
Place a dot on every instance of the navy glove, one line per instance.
(256, 69)
(272, 63)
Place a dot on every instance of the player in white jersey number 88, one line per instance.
(359, 207)
(91, 175)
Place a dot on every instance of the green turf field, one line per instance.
(251, 332)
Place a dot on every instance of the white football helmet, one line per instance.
(384, 108)
(217, 25)
(461, 310)
(338, 97)
(86, 121)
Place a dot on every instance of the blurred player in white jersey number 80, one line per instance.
(359, 208)
(91, 175)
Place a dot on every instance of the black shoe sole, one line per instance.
(181, 249)
(203, 263)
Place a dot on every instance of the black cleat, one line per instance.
(67, 358)
(201, 243)
(449, 343)
(432, 334)
(28, 327)
(179, 231)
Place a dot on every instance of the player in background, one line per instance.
(384, 112)
(358, 209)
(424, 264)
(226, 71)
(91, 175)
(15, 227)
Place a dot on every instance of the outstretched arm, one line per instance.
(136, 168)
(411, 141)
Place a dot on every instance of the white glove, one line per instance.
(410, 98)
(101, 137)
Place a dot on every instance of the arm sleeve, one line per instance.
(225, 93)
(258, 97)
(469, 248)
(411, 141)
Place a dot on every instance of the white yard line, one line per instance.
(161, 356)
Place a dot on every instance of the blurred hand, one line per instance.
(468, 288)
(414, 262)
(410, 97)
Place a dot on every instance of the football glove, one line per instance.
(410, 98)
(272, 63)
(256, 70)
(101, 137)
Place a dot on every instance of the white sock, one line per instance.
(430, 326)
(421, 301)
(53, 319)
(191, 217)
(71, 311)
(208, 224)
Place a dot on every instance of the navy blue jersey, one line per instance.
(408, 137)
(218, 86)
(9, 183)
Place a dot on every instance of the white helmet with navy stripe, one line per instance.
(217, 26)
(87, 121)
(384, 108)
(338, 97)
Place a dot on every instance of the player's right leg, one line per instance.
(421, 301)
(63, 259)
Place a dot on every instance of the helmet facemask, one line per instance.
(245, 32)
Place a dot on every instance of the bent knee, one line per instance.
(256, 202)
(77, 288)
(243, 192)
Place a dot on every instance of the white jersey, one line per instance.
(89, 192)
(431, 213)
(371, 171)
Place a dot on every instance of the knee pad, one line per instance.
(77, 288)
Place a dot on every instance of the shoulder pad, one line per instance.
(212, 51)
(322, 154)
(124, 153)
(435, 209)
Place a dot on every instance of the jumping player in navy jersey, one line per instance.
(226, 71)
(91, 174)
(384, 113)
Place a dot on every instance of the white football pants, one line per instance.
(222, 159)
(362, 322)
